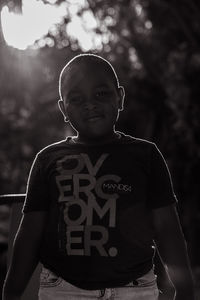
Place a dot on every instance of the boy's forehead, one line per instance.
(86, 67)
(80, 72)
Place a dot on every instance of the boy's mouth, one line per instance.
(94, 118)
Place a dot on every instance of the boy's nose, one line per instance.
(89, 104)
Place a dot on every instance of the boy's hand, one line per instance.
(25, 254)
(172, 248)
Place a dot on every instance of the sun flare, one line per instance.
(22, 30)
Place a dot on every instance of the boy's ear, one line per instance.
(61, 106)
(121, 97)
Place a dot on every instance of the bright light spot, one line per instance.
(89, 20)
(73, 9)
(125, 32)
(51, 1)
(75, 29)
(37, 19)
(21, 31)
(82, 30)
(148, 24)
(109, 21)
(134, 58)
(133, 55)
(80, 3)
(138, 9)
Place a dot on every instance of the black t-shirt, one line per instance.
(99, 198)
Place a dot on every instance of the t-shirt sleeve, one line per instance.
(37, 192)
(160, 187)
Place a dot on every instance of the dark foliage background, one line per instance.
(155, 47)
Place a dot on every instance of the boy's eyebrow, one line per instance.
(102, 86)
(77, 91)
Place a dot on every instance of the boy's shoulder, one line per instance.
(125, 139)
(52, 148)
(129, 139)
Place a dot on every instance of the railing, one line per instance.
(12, 198)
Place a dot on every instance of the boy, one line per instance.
(96, 202)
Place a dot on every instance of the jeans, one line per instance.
(53, 287)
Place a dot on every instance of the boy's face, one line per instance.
(91, 101)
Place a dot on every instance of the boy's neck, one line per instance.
(96, 141)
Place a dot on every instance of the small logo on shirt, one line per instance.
(117, 187)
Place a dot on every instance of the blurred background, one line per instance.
(154, 46)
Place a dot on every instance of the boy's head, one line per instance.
(90, 96)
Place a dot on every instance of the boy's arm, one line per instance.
(25, 254)
(172, 248)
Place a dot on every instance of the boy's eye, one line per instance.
(76, 99)
(102, 94)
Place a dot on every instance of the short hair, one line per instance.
(87, 58)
